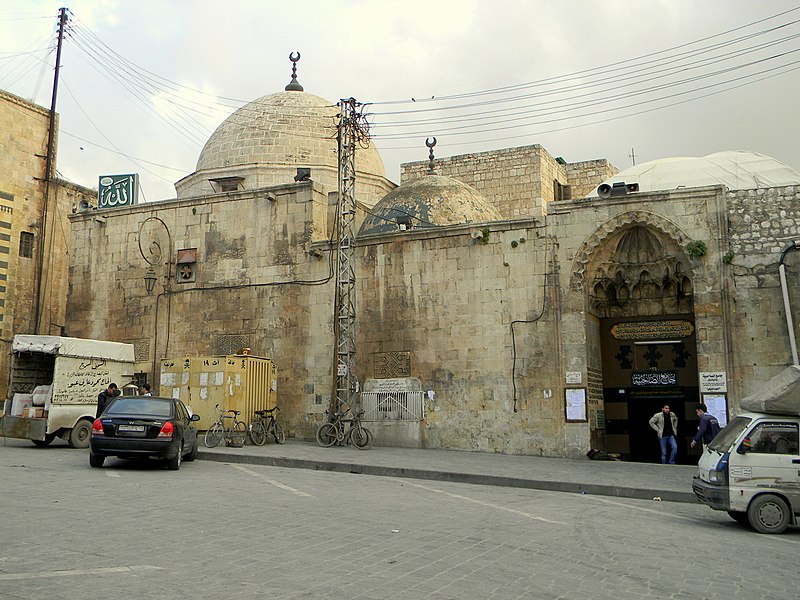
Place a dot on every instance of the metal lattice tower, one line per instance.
(351, 130)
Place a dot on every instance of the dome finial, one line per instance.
(430, 143)
(294, 86)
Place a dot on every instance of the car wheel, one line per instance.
(48, 439)
(738, 516)
(194, 451)
(79, 436)
(768, 514)
(279, 433)
(175, 463)
(96, 460)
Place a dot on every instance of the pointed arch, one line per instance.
(625, 220)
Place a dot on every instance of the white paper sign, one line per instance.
(576, 404)
(573, 377)
(718, 406)
(714, 383)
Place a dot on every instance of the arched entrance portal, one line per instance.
(640, 301)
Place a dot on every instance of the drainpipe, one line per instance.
(786, 307)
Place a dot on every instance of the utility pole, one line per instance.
(351, 130)
(48, 179)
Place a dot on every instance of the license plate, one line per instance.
(131, 428)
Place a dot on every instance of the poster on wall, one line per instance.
(575, 404)
(718, 406)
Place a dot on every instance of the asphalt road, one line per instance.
(228, 531)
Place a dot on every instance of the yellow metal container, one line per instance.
(235, 382)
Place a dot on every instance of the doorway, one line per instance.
(647, 363)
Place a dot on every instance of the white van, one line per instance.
(752, 468)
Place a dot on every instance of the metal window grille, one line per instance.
(393, 406)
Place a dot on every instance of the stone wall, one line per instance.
(448, 300)
(761, 225)
(255, 278)
(584, 176)
(518, 181)
(23, 139)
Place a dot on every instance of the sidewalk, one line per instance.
(672, 483)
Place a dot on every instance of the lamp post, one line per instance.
(150, 279)
(150, 230)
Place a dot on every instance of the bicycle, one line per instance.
(335, 432)
(234, 434)
(263, 424)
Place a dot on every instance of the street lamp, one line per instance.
(150, 279)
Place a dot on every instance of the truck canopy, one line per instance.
(778, 396)
(75, 347)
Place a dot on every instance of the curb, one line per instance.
(472, 478)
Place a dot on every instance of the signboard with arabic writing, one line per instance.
(654, 378)
(652, 330)
(118, 190)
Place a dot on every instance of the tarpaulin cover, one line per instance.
(75, 347)
(778, 396)
(736, 170)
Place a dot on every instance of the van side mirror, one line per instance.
(194, 418)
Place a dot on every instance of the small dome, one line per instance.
(736, 170)
(429, 201)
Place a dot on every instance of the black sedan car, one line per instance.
(144, 426)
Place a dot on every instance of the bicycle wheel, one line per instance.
(361, 437)
(238, 434)
(258, 435)
(214, 435)
(326, 435)
(278, 433)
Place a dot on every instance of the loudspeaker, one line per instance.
(85, 205)
(618, 188)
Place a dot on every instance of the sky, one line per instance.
(144, 83)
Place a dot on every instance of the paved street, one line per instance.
(229, 530)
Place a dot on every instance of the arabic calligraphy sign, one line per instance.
(652, 330)
(654, 378)
(118, 190)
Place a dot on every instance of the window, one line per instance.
(26, 244)
(774, 438)
(561, 191)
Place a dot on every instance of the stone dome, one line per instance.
(265, 141)
(429, 201)
(736, 170)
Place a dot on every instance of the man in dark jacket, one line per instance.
(104, 397)
(709, 426)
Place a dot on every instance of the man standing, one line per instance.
(665, 424)
(709, 426)
(104, 397)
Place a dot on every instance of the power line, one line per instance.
(596, 70)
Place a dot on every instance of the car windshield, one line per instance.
(723, 441)
(152, 407)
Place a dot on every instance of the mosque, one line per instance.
(506, 301)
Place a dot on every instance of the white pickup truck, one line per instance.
(54, 386)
